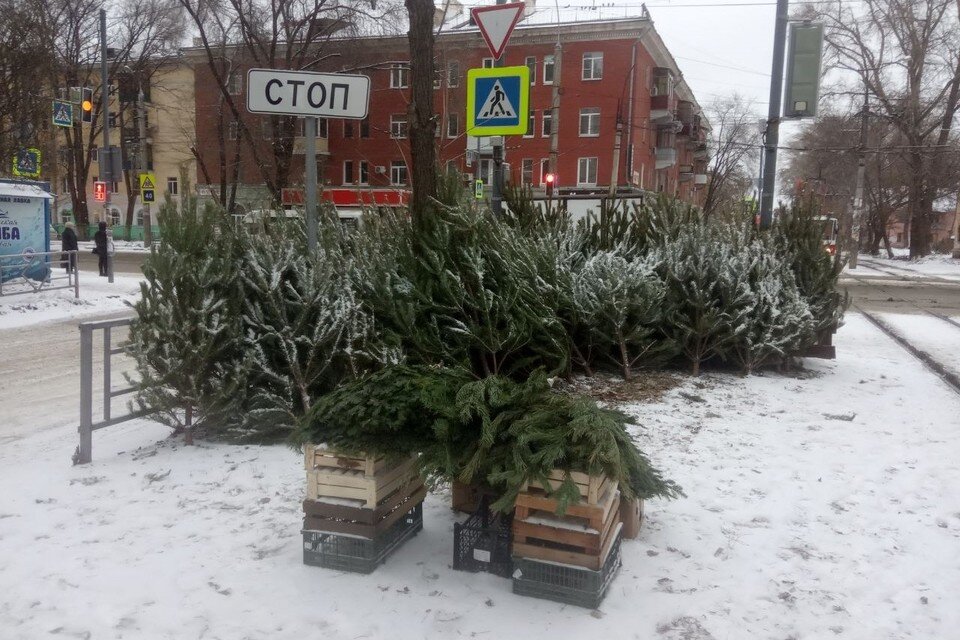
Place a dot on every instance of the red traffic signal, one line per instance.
(549, 179)
(100, 191)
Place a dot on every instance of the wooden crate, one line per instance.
(583, 536)
(365, 480)
(466, 497)
(592, 488)
(365, 523)
(631, 514)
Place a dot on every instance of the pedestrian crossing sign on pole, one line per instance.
(148, 184)
(62, 113)
(498, 101)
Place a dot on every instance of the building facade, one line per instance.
(616, 79)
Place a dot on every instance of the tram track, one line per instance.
(951, 378)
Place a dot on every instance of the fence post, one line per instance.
(75, 269)
(106, 373)
(86, 395)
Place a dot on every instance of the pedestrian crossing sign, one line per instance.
(62, 113)
(148, 181)
(498, 101)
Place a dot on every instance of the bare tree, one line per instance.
(905, 53)
(423, 151)
(735, 145)
(274, 34)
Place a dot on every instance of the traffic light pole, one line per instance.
(772, 139)
(106, 170)
(142, 125)
(496, 193)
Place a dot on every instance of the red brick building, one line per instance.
(609, 70)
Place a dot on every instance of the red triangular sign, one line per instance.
(496, 24)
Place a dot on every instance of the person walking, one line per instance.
(68, 242)
(100, 240)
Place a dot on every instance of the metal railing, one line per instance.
(34, 272)
(87, 425)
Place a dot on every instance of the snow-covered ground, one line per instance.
(97, 297)
(820, 504)
(939, 265)
(121, 246)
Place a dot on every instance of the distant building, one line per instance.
(611, 69)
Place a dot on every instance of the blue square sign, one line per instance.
(498, 101)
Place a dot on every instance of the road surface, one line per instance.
(126, 263)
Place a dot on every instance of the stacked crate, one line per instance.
(570, 558)
(359, 509)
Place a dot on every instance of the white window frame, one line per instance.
(592, 116)
(396, 166)
(531, 124)
(363, 170)
(487, 63)
(235, 83)
(399, 75)
(173, 186)
(584, 163)
(544, 170)
(453, 119)
(398, 126)
(528, 61)
(345, 164)
(595, 70)
(233, 130)
(524, 164)
(453, 74)
(548, 63)
(547, 117)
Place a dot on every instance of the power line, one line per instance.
(724, 66)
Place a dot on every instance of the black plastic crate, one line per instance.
(360, 555)
(566, 583)
(482, 542)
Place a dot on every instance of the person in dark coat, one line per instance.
(100, 240)
(68, 242)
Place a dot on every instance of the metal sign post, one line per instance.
(311, 96)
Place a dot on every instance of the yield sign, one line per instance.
(496, 24)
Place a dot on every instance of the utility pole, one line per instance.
(772, 138)
(142, 131)
(615, 171)
(555, 107)
(106, 168)
(861, 176)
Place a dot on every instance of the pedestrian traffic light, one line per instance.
(100, 191)
(86, 105)
(549, 179)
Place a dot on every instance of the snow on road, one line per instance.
(97, 298)
(821, 504)
(929, 334)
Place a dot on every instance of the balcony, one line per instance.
(699, 179)
(700, 152)
(665, 157)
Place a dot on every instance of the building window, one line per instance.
(544, 170)
(486, 171)
(266, 129)
(233, 131)
(547, 128)
(322, 127)
(587, 172)
(234, 83)
(547, 69)
(114, 187)
(398, 126)
(531, 124)
(453, 125)
(437, 76)
(453, 74)
(531, 62)
(364, 172)
(488, 63)
(451, 167)
(138, 218)
(173, 188)
(526, 171)
(593, 66)
(365, 128)
(348, 172)
(398, 172)
(590, 121)
(399, 76)
(114, 217)
(348, 128)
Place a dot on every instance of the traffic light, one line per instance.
(549, 179)
(100, 191)
(86, 105)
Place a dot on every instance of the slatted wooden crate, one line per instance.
(335, 517)
(367, 480)
(592, 488)
(583, 536)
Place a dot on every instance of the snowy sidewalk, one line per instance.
(819, 506)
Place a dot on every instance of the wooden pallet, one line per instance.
(581, 537)
(365, 523)
(592, 488)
